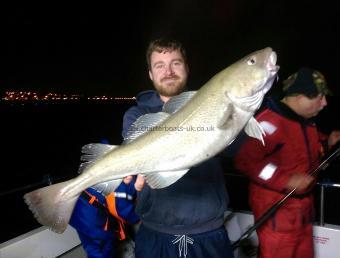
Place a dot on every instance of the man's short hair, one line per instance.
(163, 44)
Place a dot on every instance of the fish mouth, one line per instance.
(272, 69)
(271, 66)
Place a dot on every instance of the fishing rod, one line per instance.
(326, 161)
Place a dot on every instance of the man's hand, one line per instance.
(139, 184)
(333, 138)
(127, 180)
(300, 181)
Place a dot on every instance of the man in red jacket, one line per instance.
(292, 147)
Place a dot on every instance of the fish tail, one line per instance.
(50, 208)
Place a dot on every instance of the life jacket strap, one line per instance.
(111, 205)
(92, 199)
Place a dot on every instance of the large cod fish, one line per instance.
(193, 127)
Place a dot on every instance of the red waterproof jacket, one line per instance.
(291, 145)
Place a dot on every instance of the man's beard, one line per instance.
(171, 88)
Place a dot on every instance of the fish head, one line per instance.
(250, 78)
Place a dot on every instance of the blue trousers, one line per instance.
(214, 244)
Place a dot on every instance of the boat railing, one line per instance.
(323, 185)
(47, 179)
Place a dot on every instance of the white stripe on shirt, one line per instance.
(268, 171)
(123, 195)
(269, 128)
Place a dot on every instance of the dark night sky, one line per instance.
(99, 49)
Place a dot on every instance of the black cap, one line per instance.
(306, 81)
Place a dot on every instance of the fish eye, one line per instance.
(251, 61)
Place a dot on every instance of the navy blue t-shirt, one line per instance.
(195, 203)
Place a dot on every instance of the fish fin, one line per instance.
(149, 122)
(144, 124)
(164, 179)
(224, 117)
(176, 102)
(254, 129)
(97, 149)
(50, 208)
(91, 152)
(107, 187)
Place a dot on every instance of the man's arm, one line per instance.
(261, 165)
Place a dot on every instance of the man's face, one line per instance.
(168, 72)
(310, 107)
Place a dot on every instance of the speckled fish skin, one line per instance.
(203, 127)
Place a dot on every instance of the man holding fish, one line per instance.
(184, 219)
(179, 220)
(183, 200)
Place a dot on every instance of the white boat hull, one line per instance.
(44, 243)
